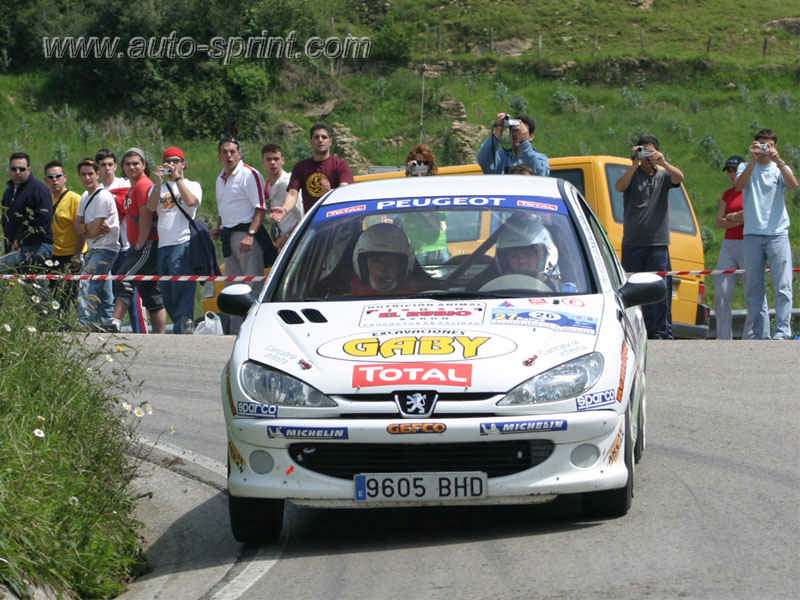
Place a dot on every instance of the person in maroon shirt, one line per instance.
(316, 175)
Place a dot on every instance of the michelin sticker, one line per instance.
(523, 426)
(422, 313)
(308, 433)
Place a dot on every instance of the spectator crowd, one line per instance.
(143, 223)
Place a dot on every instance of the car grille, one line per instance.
(347, 460)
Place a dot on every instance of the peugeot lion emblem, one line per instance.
(416, 404)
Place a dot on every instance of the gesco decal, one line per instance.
(417, 313)
(456, 375)
(511, 315)
(399, 428)
(414, 347)
(308, 433)
(256, 409)
(523, 426)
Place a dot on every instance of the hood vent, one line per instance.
(290, 317)
(313, 315)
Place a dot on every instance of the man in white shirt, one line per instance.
(175, 199)
(241, 202)
(97, 221)
(277, 183)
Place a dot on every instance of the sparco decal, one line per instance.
(308, 433)
(396, 428)
(450, 374)
(595, 400)
(524, 426)
(256, 409)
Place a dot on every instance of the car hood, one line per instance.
(383, 345)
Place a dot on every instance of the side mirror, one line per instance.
(236, 299)
(643, 288)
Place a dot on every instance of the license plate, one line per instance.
(398, 487)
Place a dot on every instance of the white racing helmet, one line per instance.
(382, 238)
(526, 232)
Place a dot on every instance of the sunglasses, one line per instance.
(172, 161)
(56, 176)
(18, 169)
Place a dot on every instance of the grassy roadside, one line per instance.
(66, 514)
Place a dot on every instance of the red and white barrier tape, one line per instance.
(248, 278)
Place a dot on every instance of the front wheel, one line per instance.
(613, 503)
(255, 520)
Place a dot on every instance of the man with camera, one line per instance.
(763, 181)
(495, 159)
(645, 236)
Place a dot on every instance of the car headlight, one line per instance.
(269, 386)
(567, 380)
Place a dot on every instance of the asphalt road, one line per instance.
(716, 513)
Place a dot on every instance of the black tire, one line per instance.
(613, 503)
(255, 520)
(638, 449)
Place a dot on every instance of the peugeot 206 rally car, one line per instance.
(437, 341)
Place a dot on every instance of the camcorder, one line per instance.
(642, 152)
(509, 122)
(418, 168)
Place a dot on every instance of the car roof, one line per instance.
(447, 185)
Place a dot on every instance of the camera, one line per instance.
(167, 171)
(509, 122)
(418, 168)
(764, 147)
(642, 152)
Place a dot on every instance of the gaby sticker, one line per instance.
(411, 347)
(422, 313)
(456, 375)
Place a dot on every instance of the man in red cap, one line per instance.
(175, 200)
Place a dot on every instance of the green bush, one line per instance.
(66, 517)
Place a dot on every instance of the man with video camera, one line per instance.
(645, 226)
(495, 159)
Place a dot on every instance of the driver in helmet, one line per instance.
(525, 247)
(383, 262)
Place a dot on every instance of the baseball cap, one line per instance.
(173, 151)
(733, 162)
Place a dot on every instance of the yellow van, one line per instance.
(595, 176)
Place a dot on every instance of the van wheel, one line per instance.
(255, 520)
(613, 503)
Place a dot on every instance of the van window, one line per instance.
(574, 176)
(680, 219)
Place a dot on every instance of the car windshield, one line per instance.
(507, 246)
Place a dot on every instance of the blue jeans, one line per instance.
(777, 251)
(96, 297)
(657, 316)
(26, 256)
(178, 295)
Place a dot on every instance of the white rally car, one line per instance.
(437, 341)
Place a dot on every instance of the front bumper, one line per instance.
(266, 455)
